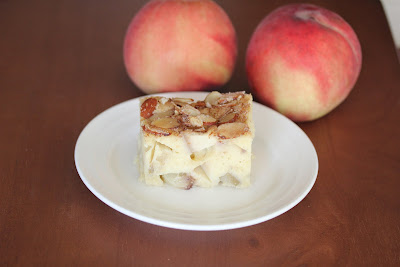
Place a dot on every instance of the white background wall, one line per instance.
(392, 9)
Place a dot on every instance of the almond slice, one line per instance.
(229, 97)
(166, 122)
(180, 101)
(231, 103)
(147, 108)
(155, 130)
(207, 119)
(228, 118)
(164, 106)
(200, 129)
(212, 98)
(219, 111)
(232, 130)
(205, 111)
(189, 111)
(160, 115)
(198, 104)
(196, 121)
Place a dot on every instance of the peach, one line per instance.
(303, 61)
(180, 45)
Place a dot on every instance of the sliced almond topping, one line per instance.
(212, 98)
(229, 117)
(200, 129)
(232, 130)
(189, 111)
(205, 111)
(231, 103)
(164, 106)
(213, 129)
(219, 111)
(155, 130)
(207, 119)
(160, 115)
(198, 104)
(180, 101)
(196, 121)
(229, 97)
(163, 100)
(147, 108)
(166, 123)
(219, 115)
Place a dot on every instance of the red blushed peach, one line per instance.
(179, 45)
(303, 61)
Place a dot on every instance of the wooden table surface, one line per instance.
(61, 64)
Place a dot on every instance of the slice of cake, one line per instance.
(205, 143)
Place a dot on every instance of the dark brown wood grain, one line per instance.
(61, 64)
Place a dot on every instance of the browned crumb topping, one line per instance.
(224, 115)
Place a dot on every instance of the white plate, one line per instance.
(284, 169)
